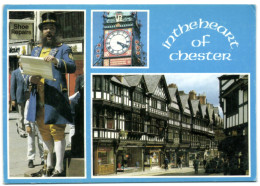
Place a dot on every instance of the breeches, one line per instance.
(49, 131)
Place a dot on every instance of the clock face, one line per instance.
(118, 42)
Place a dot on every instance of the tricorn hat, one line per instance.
(49, 18)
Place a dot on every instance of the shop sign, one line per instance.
(104, 149)
(21, 31)
(19, 49)
(76, 47)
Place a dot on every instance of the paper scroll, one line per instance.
(37, 66)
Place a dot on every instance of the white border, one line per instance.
(121, 67)
(177, 176)
(134, 2)
(8, 93)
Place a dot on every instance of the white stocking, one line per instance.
(60, 150)
(48, 145)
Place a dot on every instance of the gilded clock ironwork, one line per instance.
(118, 42)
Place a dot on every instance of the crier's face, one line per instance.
(49, 31)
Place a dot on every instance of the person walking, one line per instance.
(196, 165)
(19, 87)
(166, 162)
(33, 132)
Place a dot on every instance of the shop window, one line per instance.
(101, 122)
(105, 157)
(71, 21)
(115, 89)
(94, 118)
(110, 120)
(138, 97)
(128, 122)
(154, 103)
(232, 103)
(106, 85)
(170, 134)
(97, 83)
(163, 105)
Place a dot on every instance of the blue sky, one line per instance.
(98, 27)
(200, 82)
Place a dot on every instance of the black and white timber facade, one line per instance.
(138, 120)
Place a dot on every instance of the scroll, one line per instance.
(37, 66)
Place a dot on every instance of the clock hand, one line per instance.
(122, 44)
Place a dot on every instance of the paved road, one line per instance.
(18, 163)
(185, 171)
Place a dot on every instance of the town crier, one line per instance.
(49, 104)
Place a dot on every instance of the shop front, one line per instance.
(153, 158)
(129, 159)
(183, 156)
(171, 153)
(104, 160)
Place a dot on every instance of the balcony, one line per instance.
(105, 133)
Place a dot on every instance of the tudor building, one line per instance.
(234, 101)
(138, 121)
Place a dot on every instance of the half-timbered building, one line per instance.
(234, 102)
(138, 121)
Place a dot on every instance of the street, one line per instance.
(17, 155)
(185, 171)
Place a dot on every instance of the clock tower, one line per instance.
(121, 42)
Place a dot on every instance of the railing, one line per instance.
(105, 133)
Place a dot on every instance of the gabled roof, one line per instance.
(195, 106)
(216, 111)
(210, 111)
(152, 82)
(172, 92)
(184, 100)
(203, 110)
(133, 80)
(116, 80)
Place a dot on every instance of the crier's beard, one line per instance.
(50, 43)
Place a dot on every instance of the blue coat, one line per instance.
(56, 102)
(19, 85)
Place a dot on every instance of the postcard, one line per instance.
(142, 93)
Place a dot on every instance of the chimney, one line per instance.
(181, 92)
(120, 78)
(202, 98)
(172, 85)
(192, 95)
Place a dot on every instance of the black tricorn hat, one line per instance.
(49, 18)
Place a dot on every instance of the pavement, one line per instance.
(17, 161)
(185, 171)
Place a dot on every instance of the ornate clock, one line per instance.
(120, 35)
(118, 42)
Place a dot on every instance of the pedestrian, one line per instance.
(33, 132)
(74, 101)
(204, 163)
(77, 149)
(166, 162)
(19, 87)
(53, 110)
(196, 165)
(226, 166)
(179, 162)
